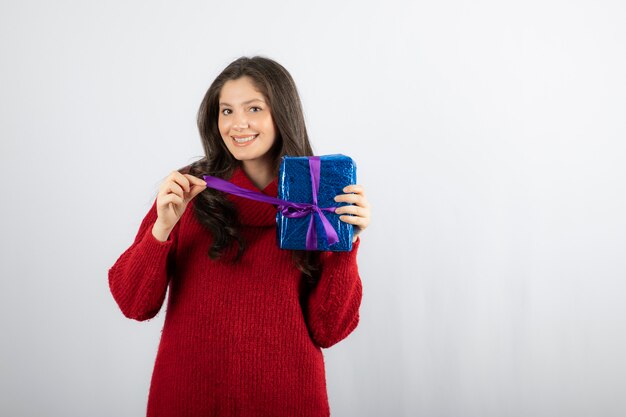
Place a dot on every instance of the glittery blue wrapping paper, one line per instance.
(294, 184)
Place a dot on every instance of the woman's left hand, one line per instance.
(360, 210)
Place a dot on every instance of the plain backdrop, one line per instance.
(490, 137)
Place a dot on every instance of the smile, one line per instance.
(244, 140)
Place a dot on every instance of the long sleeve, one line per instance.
(138, 280)
(332, 307)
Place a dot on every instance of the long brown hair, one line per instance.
(211, 207)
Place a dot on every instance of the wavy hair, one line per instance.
(211, 207)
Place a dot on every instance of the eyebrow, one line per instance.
(244, 103)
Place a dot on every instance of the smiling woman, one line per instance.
(246, 321)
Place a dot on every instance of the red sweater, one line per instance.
(239, 339)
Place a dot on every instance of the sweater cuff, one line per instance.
(339, 276)
(154, 250)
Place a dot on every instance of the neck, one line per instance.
(259, 172)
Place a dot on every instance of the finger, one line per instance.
(173, 188)
(173, 199)
(195, 180)
(354, 188)
(352, 199)
(181, 180)
(356, 210)
(354, 220)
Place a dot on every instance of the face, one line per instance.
(245, 122)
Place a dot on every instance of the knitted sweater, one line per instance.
(240, 338)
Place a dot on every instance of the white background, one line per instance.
(489, 136)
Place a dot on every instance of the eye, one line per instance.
(226, 112)
(255, 109)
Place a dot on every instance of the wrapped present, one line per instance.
(314, 182)
(306, 204)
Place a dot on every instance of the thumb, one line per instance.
(196, 189)
(195, 180)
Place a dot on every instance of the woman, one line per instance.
(245, 320)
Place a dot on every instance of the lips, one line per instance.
(244, 140)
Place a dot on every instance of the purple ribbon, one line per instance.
(287, 208)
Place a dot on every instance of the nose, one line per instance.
(241, 122)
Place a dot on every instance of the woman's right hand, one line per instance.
(174, 194)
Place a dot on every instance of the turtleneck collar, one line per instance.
(253, 213)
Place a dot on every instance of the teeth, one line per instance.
(244, 140)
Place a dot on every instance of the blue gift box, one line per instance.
(295, 185)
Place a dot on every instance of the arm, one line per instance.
(332, 307)
(138, 280)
